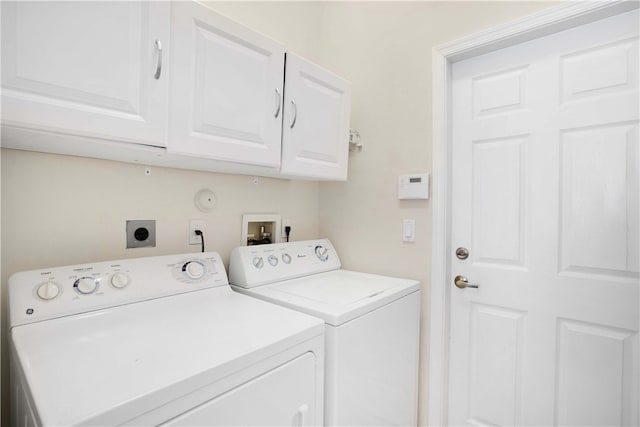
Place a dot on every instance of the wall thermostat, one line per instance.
(414, 186)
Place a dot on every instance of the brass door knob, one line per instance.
(462, 282)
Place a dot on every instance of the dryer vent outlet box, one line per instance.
(141, 234)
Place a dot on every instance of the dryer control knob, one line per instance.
(120, 280)
(85, 285)
(48, 291)
(322, 253)
(286, 258)
(273, 260)
(193, 270)
(257, 262)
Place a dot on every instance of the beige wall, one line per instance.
(384, 48)
(58, 210)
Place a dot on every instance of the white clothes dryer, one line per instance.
(158, 341)
(371, 326)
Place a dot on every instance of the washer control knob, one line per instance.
(286, 258)
(257, 262)
(273, 260)
(322, 253)
(48, 291)
(120, 280)
(85, 285)
(193, 270)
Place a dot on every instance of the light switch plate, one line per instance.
(409, 230)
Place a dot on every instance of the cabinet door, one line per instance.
(226, 89)
(315, 139)
(87, 68)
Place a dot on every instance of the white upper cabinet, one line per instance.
(168, 83)
(87, 68)
(226, 95)
(315, 137)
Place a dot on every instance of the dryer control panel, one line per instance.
(55, 292)
(258, 265)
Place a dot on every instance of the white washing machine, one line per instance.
(371, 326)
(158, 341)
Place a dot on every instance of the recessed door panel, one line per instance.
(99, 76)
(325, 100)
(614, 68)
(500, 92)
(600, 199)
(594, 374)
(499, 190)
(233, 109)
(496, 355)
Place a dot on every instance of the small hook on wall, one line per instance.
(354, 140)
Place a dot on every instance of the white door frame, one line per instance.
(548, 21)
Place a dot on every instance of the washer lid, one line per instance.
(336, 296)
(108, 366)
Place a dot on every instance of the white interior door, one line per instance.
(545, 199)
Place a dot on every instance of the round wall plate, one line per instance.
(205, 200)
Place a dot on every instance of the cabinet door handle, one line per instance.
(300, 416)
(278, 103)
(295, 114)
(159, 63)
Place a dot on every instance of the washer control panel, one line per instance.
(45, 294)
(257, 265)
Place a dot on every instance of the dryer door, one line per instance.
(282, 396)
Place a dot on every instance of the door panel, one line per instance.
(595, 239)
(86, 68)
(499, 187)
(495, 382)
(594, 363)
(281, 397)
(315, 139)
(614, 69)
(226, 89)
(545, 196)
